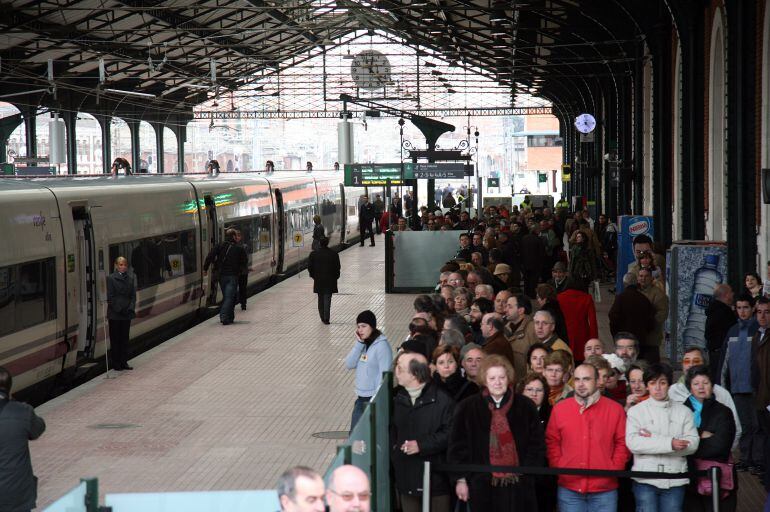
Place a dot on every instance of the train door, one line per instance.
(214, 238)
(280, 217)
(85, 256)
(343, 214)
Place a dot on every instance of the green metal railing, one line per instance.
(367, 446)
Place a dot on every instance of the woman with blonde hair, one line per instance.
(121, 304)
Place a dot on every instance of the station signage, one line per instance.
(360, 175)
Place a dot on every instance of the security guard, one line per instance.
(562, 203)
(527, 203)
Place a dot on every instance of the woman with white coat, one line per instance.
(661, 434)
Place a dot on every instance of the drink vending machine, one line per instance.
(693, 269)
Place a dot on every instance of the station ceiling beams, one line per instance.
(182, 53)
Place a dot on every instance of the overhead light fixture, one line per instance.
(131, 93)
(499, 30)
(451, 91)
(500, 44)
(429, 65)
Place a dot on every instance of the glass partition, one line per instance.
(213, 501)
(73, 501)
(418, 255)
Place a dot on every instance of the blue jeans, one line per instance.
(652, 499)
(229, 286)
(571, 501)
(358, 410)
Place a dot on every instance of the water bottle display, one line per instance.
(707, 277)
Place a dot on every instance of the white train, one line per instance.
(60, 236)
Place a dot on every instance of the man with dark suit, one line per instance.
(365, 219)
(324, 268)
(18, 425)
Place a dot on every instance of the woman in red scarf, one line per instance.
(496, 427)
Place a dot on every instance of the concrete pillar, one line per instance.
(30, 129)
(7, 126)
(136, 154)
(70, 122)
(160, 164)
(105, 126)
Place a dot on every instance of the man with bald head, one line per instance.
(419, 432)
(301, 489)
(349, 490)
(720, 316)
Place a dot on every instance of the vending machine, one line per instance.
(693, 269)
(629, 227)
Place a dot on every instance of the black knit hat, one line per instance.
(367, 317)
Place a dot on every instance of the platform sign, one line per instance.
(493, 182)
(298, 239)
(443, 171)
(361, 175)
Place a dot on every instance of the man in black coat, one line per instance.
(18, 425)
(532, 258)
(365, 219)
(419, 432)
(632, 311)
(230, 260)
(324, 267)
(720, 316)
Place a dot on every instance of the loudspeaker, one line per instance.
(766, 186)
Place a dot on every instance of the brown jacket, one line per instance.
(498, 344)
(659, 301)
(521, 337)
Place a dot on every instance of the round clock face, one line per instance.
(370, 70)
(585, 123)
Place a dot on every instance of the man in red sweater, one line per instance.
(587, 432)
(579, 312)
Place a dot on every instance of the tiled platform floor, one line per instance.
(223, 407)
(232, 407)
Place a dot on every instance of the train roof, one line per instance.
(75, 181)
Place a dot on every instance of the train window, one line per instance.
(36, 293)
(27, 295)
(7, 299)
(264, 232)
(158, 258)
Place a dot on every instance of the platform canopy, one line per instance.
(96, 55)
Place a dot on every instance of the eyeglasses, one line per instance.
(348, 496)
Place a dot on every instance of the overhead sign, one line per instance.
(493, 182)
(298, 239)
(360, 175)
(444, 171)
(587, 137)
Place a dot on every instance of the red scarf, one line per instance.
(502, 445)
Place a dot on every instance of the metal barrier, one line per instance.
(713, 473)
(367, 445)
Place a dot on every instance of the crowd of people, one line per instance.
(503, 366)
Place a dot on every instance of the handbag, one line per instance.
(726, 480)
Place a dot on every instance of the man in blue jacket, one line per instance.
(18, 425)
(735, 376)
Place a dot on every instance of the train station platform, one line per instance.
(230, 408)
(223, 407)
